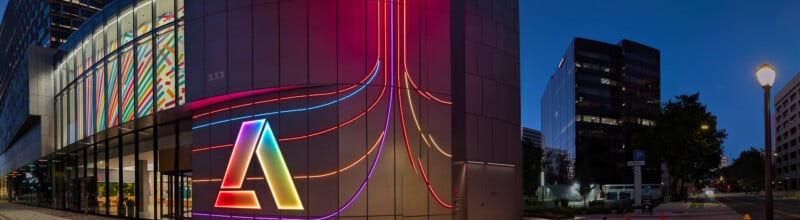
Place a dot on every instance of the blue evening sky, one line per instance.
(711, 47)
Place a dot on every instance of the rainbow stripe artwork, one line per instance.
(165, 18)
(100, 93)
(127, 86)
(181, 67)
(89, 104)
(165, 70)
(113, 94)
(126, 37)
(144, 78)
(80, 108)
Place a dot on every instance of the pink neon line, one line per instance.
(430, 189)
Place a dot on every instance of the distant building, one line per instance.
(724, 162)
(534, 136)
(785, 126)
(598, 96)
(558, 166)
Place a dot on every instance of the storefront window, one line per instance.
(102, 178)
(115, 183)
(147, 184)
(129, 175)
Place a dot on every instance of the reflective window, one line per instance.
(98, 44)
(144, 77)
(87, 56)
(181, 67)
(164, 10)
(127, 84)
(144, 17)
(111, 35)
(126, 25)
(165, 94)
(113, 92)
(89, 107)
(80, 105)
(100, 93)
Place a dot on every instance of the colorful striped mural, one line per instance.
(100, 93)
(144, 77)
(80, 108)
(127, 85)
(113, 92)
(165, 70)
(89, 118)
(181, 68)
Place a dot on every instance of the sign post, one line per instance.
(637, 163)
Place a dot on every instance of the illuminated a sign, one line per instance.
(257, 136)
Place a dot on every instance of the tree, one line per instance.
(532, 165)
(747, 170)
(584, 189)
(686, 138)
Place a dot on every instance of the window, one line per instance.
(181, 66)
(127, 85)
(144, 17)
(793, 108)
(100, 94)
(165, 74)
(126, 26)
(87, 56)
(165, 12)
(144, 77)
(607, 81)
(112, 92)
(111, 35)
(98, 45)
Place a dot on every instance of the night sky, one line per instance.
(710, 47)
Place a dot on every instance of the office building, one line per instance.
(533, 136)
(280, 109)
(598, 96)
(786, 136)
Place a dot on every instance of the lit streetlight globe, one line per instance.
(765, 75)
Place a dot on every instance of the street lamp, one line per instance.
(766, 77)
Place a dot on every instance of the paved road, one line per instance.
(754, 205)
(11, 211)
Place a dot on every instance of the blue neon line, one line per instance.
(378, 66)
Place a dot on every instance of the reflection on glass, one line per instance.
(126, 25)
(111, 35)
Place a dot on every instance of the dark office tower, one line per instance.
(597, 98)
(44, 23)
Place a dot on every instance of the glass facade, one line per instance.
(115, 74)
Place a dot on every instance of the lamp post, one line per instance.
(766, 76)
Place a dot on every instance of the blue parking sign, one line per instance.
(638, 155)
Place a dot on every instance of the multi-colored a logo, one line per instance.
(257, 136)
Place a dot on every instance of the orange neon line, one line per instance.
(402, 117)
(430, 189)
(364, 156)
(419, 128)
(212, 147)
(405, 61)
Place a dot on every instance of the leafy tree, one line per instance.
(686, 138)
(584, 189)
(532, 165)
(747, 171)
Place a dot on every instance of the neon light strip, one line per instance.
(437, 147)
(430, 189)
(297, 109)
(363, 113)
(416, 122)
(242, 154)
(366, 77)
(363, 183)
(405, 62)
(320, 175)
(278, 176)
(240, 199)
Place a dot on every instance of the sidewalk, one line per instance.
(11, 211)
